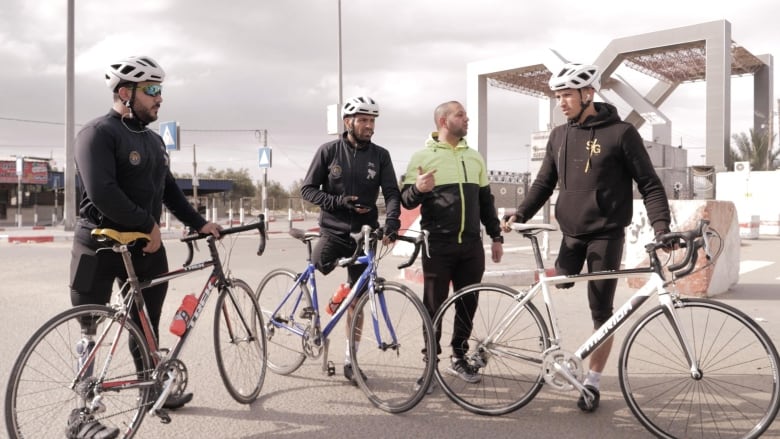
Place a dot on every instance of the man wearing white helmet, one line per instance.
(344, 180)
(593, 159)
(126, 178)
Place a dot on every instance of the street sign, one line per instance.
(333, 119)
(169, 131)
(264, 155)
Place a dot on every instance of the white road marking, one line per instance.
(748, 266)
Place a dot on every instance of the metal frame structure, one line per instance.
(701, 52)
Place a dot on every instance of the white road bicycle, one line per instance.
(688, 368)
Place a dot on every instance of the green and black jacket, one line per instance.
(461, 198)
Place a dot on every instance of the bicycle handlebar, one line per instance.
(367, 235)
(418, 241)
(691, 241)
(259, 226)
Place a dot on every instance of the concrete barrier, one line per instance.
(749, 227)
(714, 279)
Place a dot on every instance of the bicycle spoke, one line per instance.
(738, 393)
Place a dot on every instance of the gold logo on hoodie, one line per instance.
(593, 148)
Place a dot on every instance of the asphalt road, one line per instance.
(311, 404)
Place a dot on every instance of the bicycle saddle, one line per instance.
(118, 237)
(303, 235)
(532, 228)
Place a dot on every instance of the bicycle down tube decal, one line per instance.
(609, 327)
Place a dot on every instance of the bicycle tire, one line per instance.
(510, 368)
(240, 342)
(736, 397)
(392, 371)
(39, 398)
(285, 347)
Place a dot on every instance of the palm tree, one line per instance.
(756, 149)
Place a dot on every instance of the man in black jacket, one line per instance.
(593, 159)
(125, 171)
(344, 180)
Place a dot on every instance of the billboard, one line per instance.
(32, 172)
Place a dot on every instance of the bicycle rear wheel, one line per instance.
(239, 342)
(285, 347)
(41, 395)
(504, 349)
(737, 393)
(392, 369)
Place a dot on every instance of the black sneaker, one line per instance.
(594, 404)
(82, 426)
(429, 390)
(463, 370)
(350, 375)
(174, 402)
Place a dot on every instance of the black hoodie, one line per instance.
(593, 164)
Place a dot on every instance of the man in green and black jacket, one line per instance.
(449, 181)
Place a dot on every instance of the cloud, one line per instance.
(240, 66)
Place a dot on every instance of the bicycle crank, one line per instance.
(562, 369)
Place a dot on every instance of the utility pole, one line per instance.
(195, 178)
(339, 118)
(19, 174)
(265, 179)
(69, 186)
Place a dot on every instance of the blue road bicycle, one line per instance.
(389, 321)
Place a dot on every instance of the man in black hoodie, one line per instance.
(593, 159)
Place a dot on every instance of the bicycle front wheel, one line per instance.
(239, 342)
(503, 349)
(43, 392)
(287, 313)
(736, 392)
(392, 352)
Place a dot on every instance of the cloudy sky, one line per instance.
(241, 66)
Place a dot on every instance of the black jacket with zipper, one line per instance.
(127, 178)
(340, 169)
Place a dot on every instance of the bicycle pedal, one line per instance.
(306, 313)
(331, 369)
(165, 418)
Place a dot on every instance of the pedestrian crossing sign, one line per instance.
(169, 131)
(264, 155)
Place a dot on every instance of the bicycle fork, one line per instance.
(670, 311)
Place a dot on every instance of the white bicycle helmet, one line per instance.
(133, 69)
(361, 105)
(576, 76)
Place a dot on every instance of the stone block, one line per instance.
(706, 280)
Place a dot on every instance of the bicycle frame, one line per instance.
(365, 283)
(655, 284)
(130, 296)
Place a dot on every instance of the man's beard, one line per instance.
(145, 115)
